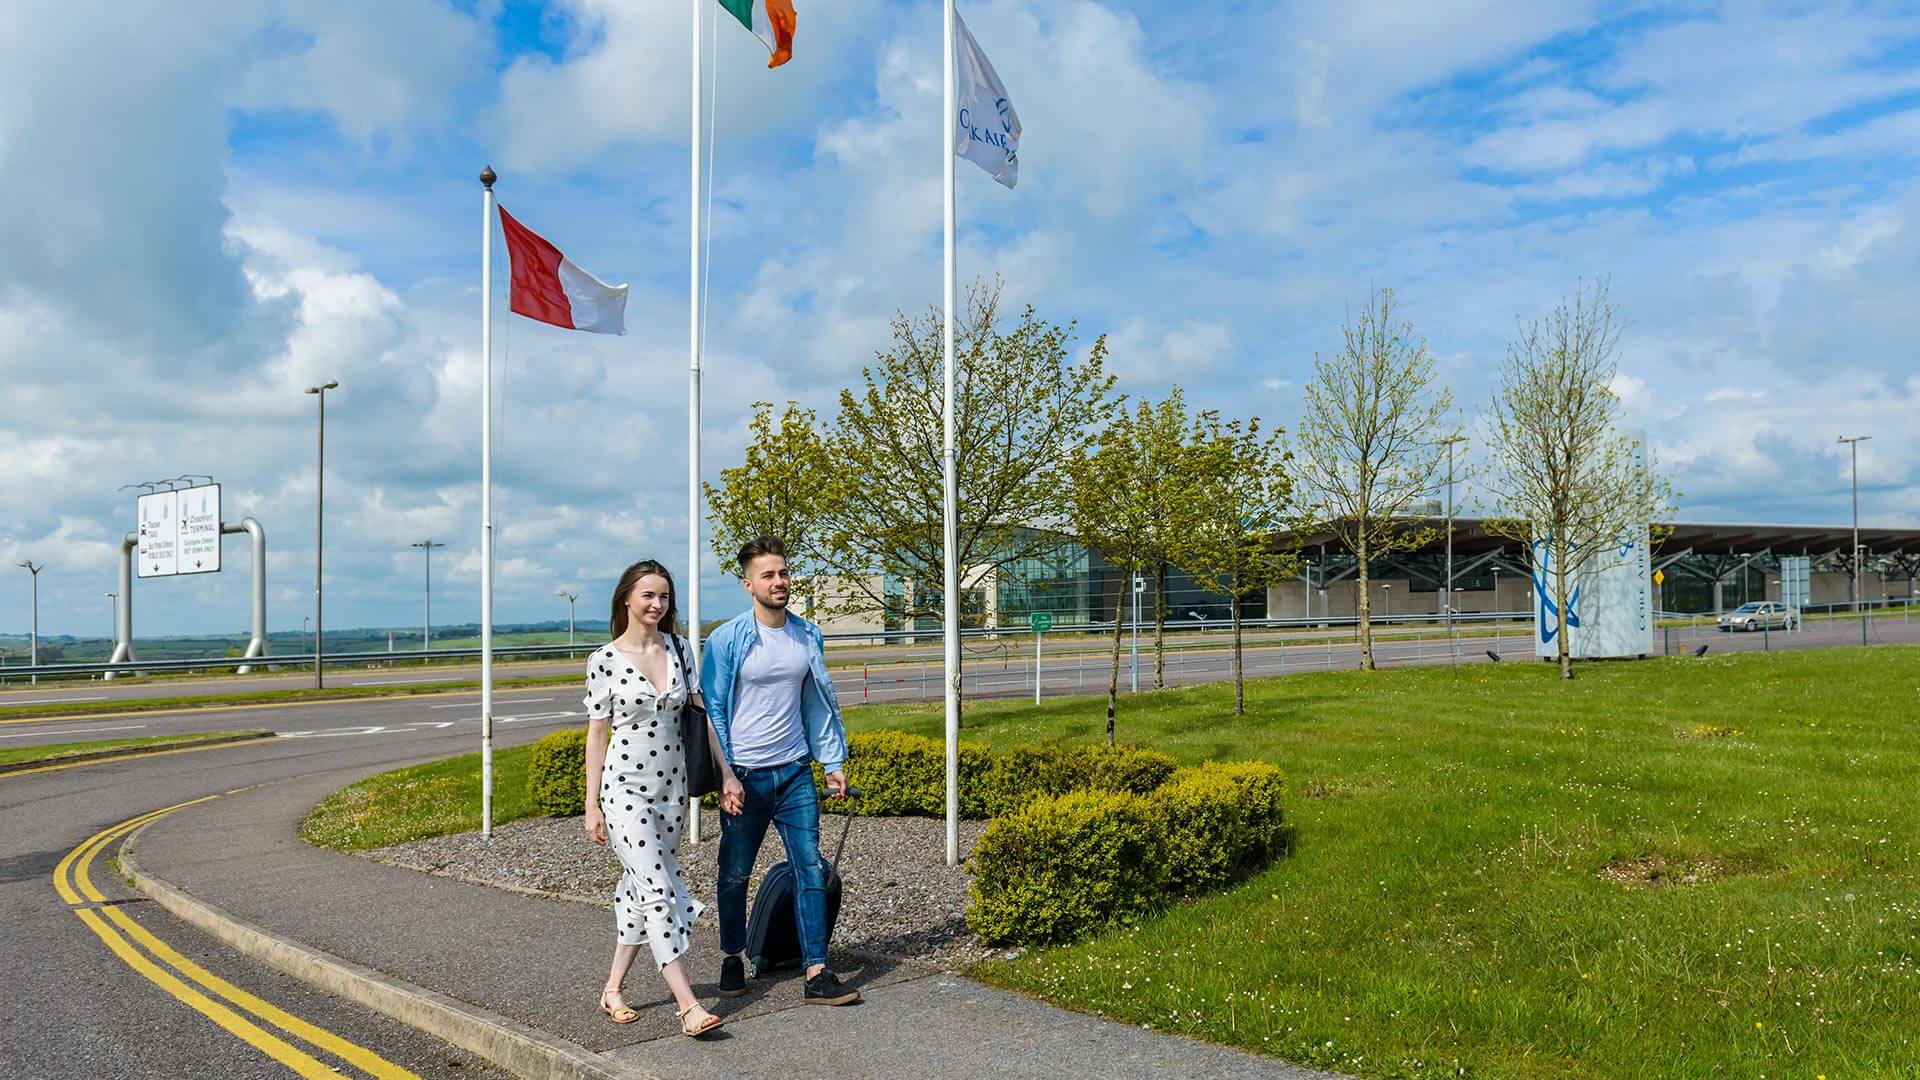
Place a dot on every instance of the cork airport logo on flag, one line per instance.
(986, 129)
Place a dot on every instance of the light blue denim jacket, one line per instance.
(819, 705)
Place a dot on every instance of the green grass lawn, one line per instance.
(53, 752)
(1671, 868)
(434, 799)
(1467, 896)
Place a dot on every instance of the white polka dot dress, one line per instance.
(642, 794)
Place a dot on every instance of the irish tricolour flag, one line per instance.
(772, 21)
(548, 286)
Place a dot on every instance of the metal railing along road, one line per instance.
(1423, 632)
(295, 661)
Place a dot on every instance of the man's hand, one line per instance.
(733, 795)
(596, 824)
(836, 785)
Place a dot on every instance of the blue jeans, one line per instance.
(783, 795)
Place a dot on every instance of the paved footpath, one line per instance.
(525, 970)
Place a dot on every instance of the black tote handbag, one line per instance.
(703, 772)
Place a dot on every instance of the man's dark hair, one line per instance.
(761, 545)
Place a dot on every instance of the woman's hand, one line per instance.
(733, 795)
(596, 824)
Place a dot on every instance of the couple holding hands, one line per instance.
(772, 713)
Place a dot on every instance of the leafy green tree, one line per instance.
(1371, 440)
(1243, 541)
(1564, 475)
(1164, 432)
(1121, 486)
(1023, 407)
(784, 488)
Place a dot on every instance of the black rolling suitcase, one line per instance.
(773, 929)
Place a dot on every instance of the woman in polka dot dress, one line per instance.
(636, 785)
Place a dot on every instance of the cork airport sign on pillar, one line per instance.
(179, 532)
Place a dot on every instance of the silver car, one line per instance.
(1756, 614)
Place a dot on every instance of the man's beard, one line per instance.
(775, 603)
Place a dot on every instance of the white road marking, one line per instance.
(76, 731)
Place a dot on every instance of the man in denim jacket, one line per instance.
(765, 680)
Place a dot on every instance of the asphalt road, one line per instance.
(14, 691)
(80, 1010)
(1006, 674)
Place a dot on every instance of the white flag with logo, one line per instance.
(986, 129)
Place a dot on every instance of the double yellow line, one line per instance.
(72, 880)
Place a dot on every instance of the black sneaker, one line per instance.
(733, 977)
(825, 989)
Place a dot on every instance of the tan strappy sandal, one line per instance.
(695, 1030)
(620, 1014)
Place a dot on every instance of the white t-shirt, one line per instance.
(767, 728)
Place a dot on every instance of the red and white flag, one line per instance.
(548, 286)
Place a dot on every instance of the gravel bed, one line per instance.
(900, 899)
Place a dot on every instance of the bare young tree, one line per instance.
(1564, 479)
(1369, 441)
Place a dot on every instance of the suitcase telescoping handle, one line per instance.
(845, 826)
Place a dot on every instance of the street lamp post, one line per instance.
(426, 628)
(1139, 586)
(571, 597)
(303, 632)
(1853, 445)
(1446, 594)
(319, 520)
(33, 633)
(113, 610)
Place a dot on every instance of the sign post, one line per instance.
(1139, 586)
(1041, 622)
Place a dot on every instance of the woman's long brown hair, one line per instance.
(630, 578)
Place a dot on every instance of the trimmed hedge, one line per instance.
(1065, 866)
(1035, 770)
(902, 775)
(1222, 823)
(557, 773)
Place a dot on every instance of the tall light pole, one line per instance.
(1853, 445)
(426, 627)
(1446, 594)
(319, 519)
(571, 597)
(33, 638)
(113, 609)
(303, 632)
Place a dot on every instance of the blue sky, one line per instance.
(212, 210)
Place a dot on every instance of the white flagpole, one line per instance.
(950, 484)
(487, 178)
(692, 587)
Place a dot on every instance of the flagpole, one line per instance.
(692, 588)
(949, 483)
(487, 178)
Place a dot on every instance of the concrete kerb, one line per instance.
(519, 1048)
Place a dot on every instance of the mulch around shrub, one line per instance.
(900, 899)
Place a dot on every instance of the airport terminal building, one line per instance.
(1700, 568)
